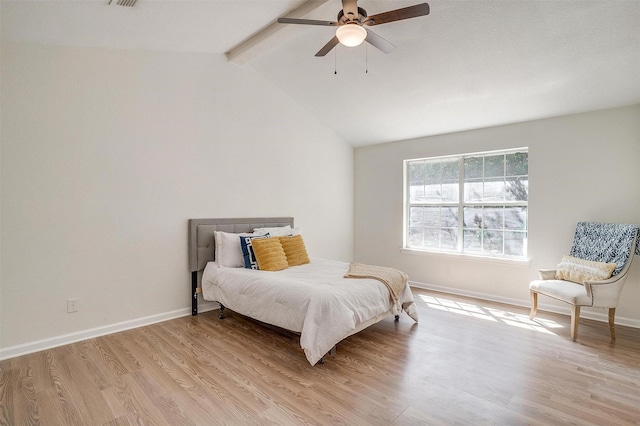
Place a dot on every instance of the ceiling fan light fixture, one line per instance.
(351, 35)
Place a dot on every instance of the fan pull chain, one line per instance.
(335, 61)
(366, 59)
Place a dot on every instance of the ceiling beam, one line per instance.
(269, 37)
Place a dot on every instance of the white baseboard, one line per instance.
(65, 339)
(40, 345)
(584, 313)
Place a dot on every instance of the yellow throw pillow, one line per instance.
(580, 270)
(295, 250)
(269, 254)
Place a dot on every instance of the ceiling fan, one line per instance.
(351, 24)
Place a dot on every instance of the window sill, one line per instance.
(524, 262)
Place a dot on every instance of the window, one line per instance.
(474, 204)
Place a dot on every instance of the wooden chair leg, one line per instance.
(612, 326)
(534, 304)
(575, 318)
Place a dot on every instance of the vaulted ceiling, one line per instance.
(469, 64)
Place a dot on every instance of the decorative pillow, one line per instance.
(228, 249)
(278, 231)
(580, 270)
(246, 243)
(295, 250)
(269, 254)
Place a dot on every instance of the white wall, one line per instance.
(581, 167)
(105, 156)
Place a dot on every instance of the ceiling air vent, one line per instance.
(129, 3)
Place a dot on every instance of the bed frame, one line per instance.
(202, 250)
(202, 245)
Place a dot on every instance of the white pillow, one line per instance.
(228, 249)
(280, 231)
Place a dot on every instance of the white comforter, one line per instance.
(313, 299)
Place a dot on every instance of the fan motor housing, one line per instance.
(362, 14)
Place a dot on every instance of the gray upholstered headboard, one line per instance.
(201, 244)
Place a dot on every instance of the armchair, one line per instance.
(605, 243)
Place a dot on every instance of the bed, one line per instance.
(314, 299)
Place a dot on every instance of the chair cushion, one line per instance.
(565, 291)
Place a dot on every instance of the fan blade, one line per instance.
(350, 9)
(379, 42)
(421, 9)
(327, 47)
(306, 22)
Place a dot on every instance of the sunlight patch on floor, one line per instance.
(491, 314)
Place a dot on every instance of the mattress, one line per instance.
(314, 300)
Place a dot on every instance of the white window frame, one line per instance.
(461, 204)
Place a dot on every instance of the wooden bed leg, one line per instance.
(194, 293)
(332, 351)
(321, 361)
(397, 317)
(221, 316)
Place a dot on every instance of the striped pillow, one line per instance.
(295, 250)
(269, 254)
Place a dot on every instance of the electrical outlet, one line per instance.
(72, 305)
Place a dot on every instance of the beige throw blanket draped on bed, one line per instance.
(394, 279)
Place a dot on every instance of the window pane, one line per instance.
(473, 191)
(472, 218)
(416, 216)
(515, 218)
(432, 172)
(450, 192)
(514, 243)
(472, 241)
(431, 238)
(417, 170)
(494, 166)
(517, 189)
(493, 217)
(432, 193)
(415, 237)
(449, 217)
(416, 192)
(449, 238)
(494, 189)
(517, 164)
(473, 167)
(450, 169)
(432, 216)
(492, 242)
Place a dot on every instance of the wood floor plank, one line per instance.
(25, 405)
(48, 404)
(208, 377)
(76, 395)
(468, 361)
(6, 393)
(131, 398)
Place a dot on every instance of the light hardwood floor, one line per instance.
(466, 362)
